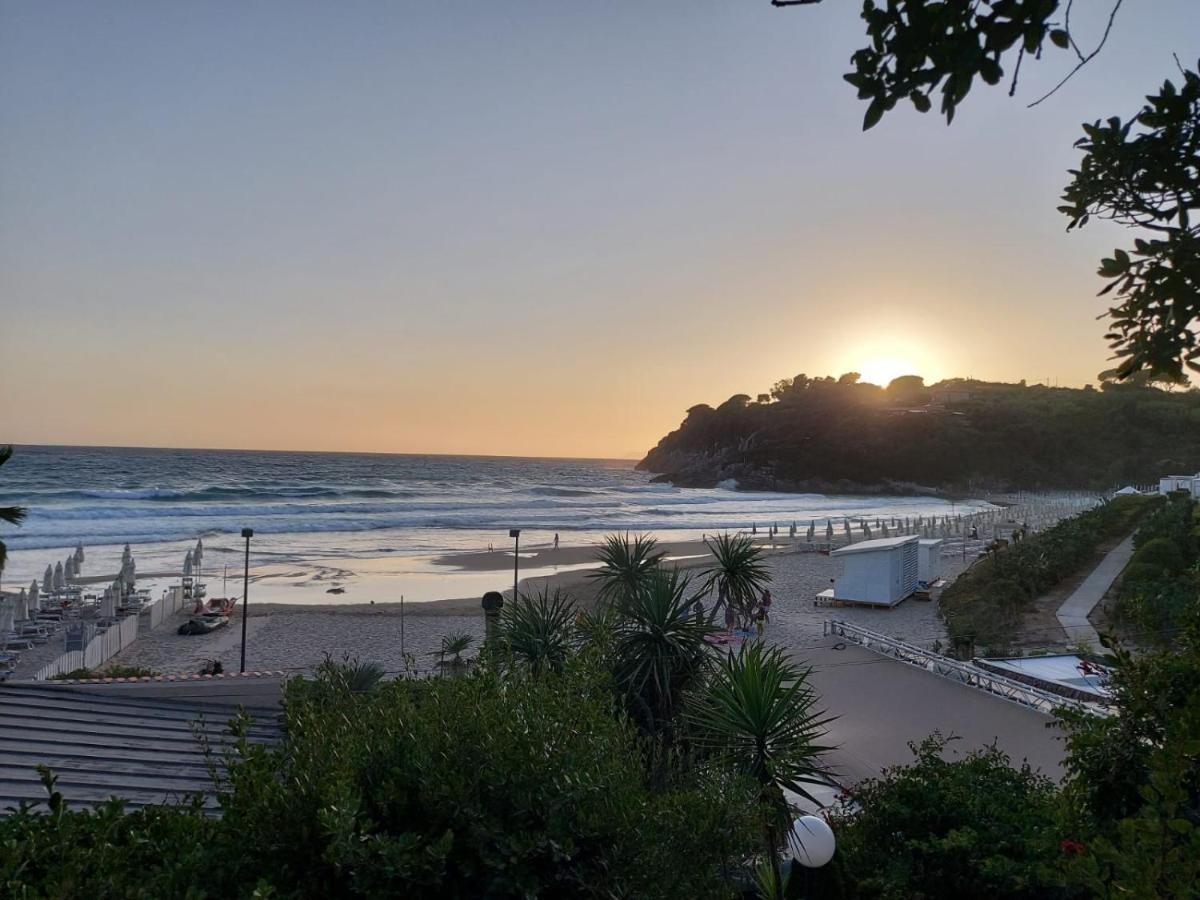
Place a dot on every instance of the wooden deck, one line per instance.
(102, 741)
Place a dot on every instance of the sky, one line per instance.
(525, 228)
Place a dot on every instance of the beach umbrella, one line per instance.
(198, 555)
(829, 530)
(846, 528)
(792, 531)
(187, 564)
(60, 580)
(6, 617)
(69, 569)
(126, 554)
(884, 529)
(22, 606)
(48, 581)
(78, 556)
(129, 573)
(34, 602)
(812, 531)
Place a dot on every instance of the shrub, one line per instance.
(972, 827)
(85, 674)
(1160, 553)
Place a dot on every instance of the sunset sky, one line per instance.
(534, 228)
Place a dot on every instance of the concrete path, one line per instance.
(1073, 614)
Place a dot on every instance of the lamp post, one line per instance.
(515, 534)
(813, 846)
(247, 533)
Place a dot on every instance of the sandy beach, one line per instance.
(296, 638)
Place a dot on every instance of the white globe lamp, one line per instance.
(813, 841)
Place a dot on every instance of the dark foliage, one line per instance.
(818, 434)
(984, 605)
(938, 828)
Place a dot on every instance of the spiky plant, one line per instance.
(539, 630)
(739, 571)
(13, 515)
(659, 649)
(454, 645)
(625, 563)
(758, 716)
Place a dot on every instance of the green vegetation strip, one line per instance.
(984, 606)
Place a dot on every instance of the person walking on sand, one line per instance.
(730, 618)
(760, 619)
(766, 605)
(556, 540)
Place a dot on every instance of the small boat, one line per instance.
(202, 624)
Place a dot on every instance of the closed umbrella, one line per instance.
(829, 530)
(187, 564)
(846, 528)
(78, 556)
(129, 573)
(812, 530)
(198, 553)
(884, 530)
(69, 569)
(35, 602)
(22, 606)
(60, 580)
(48, 581)
(126, 555)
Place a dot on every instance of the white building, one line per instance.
(929, 561)
(1168, 484)
(877, 573)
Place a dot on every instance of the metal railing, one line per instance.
(964, 673)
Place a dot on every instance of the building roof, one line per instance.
(875, 546)
(134, 741)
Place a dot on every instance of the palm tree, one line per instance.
(625, 564)
(539, 630)
(659, 649)
(454, 644)
(739, 571)
(758, 717)
(13, 515)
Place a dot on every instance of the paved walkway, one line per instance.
(1073, 614)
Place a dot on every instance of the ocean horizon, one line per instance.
(321, 515)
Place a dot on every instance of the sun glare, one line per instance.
(882, 369)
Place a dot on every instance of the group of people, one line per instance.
(759, 613)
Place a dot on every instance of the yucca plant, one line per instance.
(739, 571)
(454, 645)
(13, 515)
(659, 648)
(757, 717)
(539, 630)
(625, 563)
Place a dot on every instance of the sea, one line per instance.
(320, 516)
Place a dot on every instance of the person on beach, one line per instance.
(730, 618)
(556, 540)
(766, 605)
(760, 619)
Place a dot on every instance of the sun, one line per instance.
(882, 369)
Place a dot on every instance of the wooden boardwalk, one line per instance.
(101, 741)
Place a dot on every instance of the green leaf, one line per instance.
(1060, 38)
(874, 114)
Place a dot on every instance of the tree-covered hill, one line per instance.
(827, 434)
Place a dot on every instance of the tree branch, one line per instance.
(1083, 61)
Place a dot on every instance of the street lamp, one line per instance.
(515, 534)
(247, 533)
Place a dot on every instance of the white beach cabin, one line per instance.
(929, 561)
(877, 573)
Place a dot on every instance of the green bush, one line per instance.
(480, 785)
(972, 827)
(1161, 553)
(985, 604)
(85, 674)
